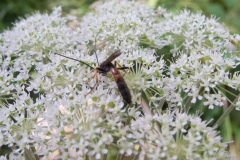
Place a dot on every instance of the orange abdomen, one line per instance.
(122, 86)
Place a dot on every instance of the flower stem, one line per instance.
(136, 156)
(105, 155)
(226, 112)
(188, 103)
(119, 156)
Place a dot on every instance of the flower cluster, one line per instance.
(177, 135)
(52, 104)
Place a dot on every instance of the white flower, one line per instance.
(191, 136)
(53, 103)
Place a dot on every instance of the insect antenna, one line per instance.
(95, 48)
(75, 60)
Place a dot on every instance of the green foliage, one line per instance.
(226, 10)
(11, 10)
(73, 7)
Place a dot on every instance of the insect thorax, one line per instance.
(103, 69)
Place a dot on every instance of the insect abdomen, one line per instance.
(124, 90)
(122, 86)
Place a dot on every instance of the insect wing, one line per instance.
(111, 58)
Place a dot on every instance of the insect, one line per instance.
(107, 66)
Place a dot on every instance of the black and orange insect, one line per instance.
(107, 66)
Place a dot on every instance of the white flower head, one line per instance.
(54, 103)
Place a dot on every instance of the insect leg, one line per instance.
(121, 68)
(95, 47)
(96, 76)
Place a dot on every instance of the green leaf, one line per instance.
(216, 9)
